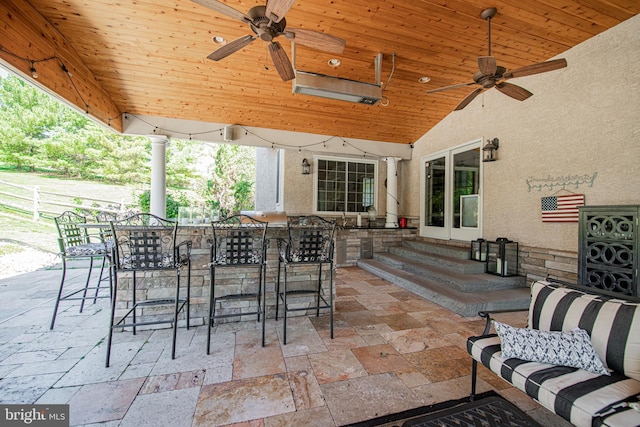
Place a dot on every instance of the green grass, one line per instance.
(46, 182)
(21, 228)
(25, 231)
(10, 249)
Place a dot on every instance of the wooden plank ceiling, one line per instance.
(150, 56)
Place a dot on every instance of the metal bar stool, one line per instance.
(309, 243)
(76, 244)
(145, 245)
(239, 242)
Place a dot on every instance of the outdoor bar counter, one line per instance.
(351, 244)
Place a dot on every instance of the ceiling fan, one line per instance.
(267, 23)
(492, 75)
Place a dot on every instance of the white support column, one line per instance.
(392, 192)
(158, 203)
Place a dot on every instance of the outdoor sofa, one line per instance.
(584, 398)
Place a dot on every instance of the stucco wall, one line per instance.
(298, 188)
(581, 121)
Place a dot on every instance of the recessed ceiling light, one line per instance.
(218, 40)
(334, 62)
(424, 79)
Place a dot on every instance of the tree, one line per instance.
(183, 157)
(172, 206)
(38, 132)
(25, 118)
(231, 187)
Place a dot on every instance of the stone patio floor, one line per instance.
(392, 351)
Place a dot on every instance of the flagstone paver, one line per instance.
(391, 351)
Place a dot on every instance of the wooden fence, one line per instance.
(32, 200)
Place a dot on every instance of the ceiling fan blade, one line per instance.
(514, 91)
(231, 47)
(487, 65)
(540, 67)
(316, 40)
(281, 61)
(440, 89)
(223, 9)
(468, 99)
(276, 9)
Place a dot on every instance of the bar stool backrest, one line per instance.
(69, 234)
(105, 217)
(106, 234)
(238, 240)
(310, 239)
(145, 242)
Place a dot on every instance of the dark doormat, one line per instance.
(488, 409)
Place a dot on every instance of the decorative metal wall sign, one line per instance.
(560, 182)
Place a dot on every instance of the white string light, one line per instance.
(248, 132)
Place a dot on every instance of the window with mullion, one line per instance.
(344, 185)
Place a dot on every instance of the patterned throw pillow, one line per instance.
(572, 349)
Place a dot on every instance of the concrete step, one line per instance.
(466, 304)
(438, 249)
(460, 277)
(453, 263)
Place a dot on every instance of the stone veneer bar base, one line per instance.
(352, 244)
(348, 246)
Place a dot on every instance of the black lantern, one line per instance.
(306, 167)
(502, 257)
(490, 150)
(478, 250)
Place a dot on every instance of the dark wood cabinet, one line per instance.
(608, 248)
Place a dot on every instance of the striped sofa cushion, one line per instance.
(613, 324)
(582, 398)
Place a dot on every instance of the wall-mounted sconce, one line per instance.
(306, 167)
(490, 150)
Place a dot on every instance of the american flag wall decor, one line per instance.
(561, 208)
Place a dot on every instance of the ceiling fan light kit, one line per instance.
(492, 75)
